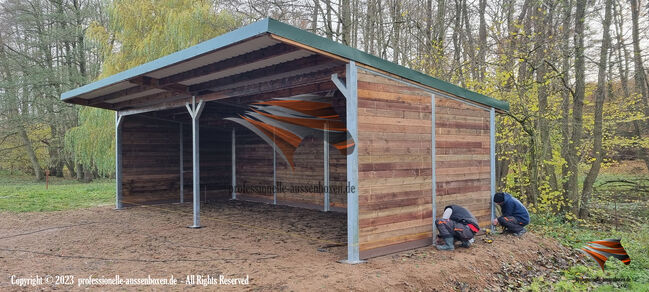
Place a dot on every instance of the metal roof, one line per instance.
(247, 39)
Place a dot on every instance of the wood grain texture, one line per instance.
(395, 170)
(462, 157)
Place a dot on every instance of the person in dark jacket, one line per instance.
(457, 224)
(514, 215)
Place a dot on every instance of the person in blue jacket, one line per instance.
(514, 215)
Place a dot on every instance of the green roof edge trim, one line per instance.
(269, 25)
(237, 35)
(295, 34)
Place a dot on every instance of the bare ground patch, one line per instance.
(280, 248)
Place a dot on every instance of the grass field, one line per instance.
(22, 194)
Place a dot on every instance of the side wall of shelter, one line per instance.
(462, 157)
(254, 166)
(395, 173)
(150, 161)
(215, 146)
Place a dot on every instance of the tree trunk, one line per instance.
(637, 58)
(482, 41)
(623, 70)
(577, 107)
(396, 31)
(79, 171)
(38, 171)
(565, 102)
(346, 21)
(640, 79)
(543, 33)
(600, 95)
(314, 17)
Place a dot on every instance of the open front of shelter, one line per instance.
(274, 114)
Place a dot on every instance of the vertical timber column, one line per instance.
(234, 165)
(326, 169)
(492, 160)
(433, 153)
(118, 160)
(350, 91)
(195, 112)
(182, 167)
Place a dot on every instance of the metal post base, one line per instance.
(352, 262)
(194, 227)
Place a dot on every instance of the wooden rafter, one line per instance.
(245, 90)
(262, 72)
(254, 56)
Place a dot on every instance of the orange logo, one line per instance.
(601, 250)
(284, 122)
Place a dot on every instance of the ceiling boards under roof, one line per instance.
(180, 72)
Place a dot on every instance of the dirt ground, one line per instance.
(278, 248)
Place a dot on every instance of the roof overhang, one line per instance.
(264, 50)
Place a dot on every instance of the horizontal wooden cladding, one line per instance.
(478, 203)
(395, 168)
(393, 248)
(255, 167)
(150, 160)
(215, 161)
(462, 158)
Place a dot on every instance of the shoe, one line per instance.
(448, 246)
(520, 233)
(466, 244)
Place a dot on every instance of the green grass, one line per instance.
(19, 193)
(632, 229)
(589, 277)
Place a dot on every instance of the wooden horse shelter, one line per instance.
(275, 114)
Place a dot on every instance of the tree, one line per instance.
(138, 32)
(600, 96)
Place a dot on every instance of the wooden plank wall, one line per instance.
(395, 173)
(151, 156)
(215, 146)
(462, 157)
(150, 160)
(255, 168)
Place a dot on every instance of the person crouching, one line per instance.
(514, 215)
(457, 224)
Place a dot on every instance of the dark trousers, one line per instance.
(511, 224)
(449, 228)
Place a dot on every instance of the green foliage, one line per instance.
(143, 30)
(21, 194)
(617, 276)
(138, 32)
(92, 143)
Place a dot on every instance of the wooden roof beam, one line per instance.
(285, 67)
(254, 56)
(117, 94)
(155, 83)
(257, 88)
